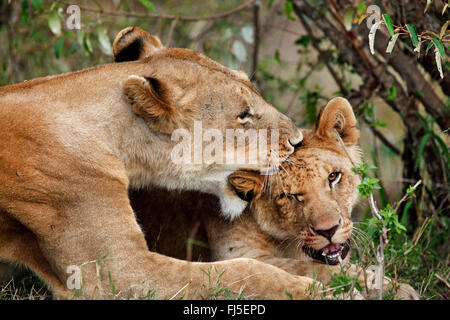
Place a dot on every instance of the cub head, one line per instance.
(311, 198)
(181, 92)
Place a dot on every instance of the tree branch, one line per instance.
(256, 40)
(364, 88)
(242, 7)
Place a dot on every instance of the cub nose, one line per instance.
(327, 233)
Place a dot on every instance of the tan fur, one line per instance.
(276, 225)
(71, 147)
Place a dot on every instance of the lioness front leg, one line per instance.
(115, 261)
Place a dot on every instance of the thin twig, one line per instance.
(383, 236)
(406, 196)
(166, 16)
(169, 36)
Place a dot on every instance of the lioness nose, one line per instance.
(327, 233)
(296, 141)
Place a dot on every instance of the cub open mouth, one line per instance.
(329, 254)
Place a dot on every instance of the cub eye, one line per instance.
(334, 178)
(245, 114)
(299, 197)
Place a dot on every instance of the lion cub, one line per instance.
(298, 219)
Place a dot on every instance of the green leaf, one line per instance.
(392, 94)
(239, 51)
(59, 47)
(361, 8)
(372, 34)
(430, 44)
(427, 6)
(276, 56)
(378, 123)
(269, 4)
(439, 46)
(392, 42)
(103, 40)
(388, 21)
(54, 23)
(37, 5)
(288, 8)
(348, 18)
(439, 63)
(443, 29)
(148, 4)
(361, 19)
(303, 41)
(413, 34)
(87, 43)
(24, 12)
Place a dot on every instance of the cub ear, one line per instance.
(248, 185)
(338, 115)
(133, 43)
(147, 97)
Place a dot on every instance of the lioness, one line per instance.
(298, 220)
(72, 145)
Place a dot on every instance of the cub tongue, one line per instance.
(331, 248)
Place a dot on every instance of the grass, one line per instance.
(29, 287)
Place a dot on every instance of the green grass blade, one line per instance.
(421, 147)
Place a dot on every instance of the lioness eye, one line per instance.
(245, 114)
(299, 197)
(334, 178)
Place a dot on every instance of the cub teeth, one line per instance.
(335, 255)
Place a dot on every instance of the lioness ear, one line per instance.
(338, 115)
(147, 97)
(133, 43)
(247, 185)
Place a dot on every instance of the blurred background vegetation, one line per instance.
(299, 54)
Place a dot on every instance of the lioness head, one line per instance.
(211, 118)
(312, 197)
(178, 87)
